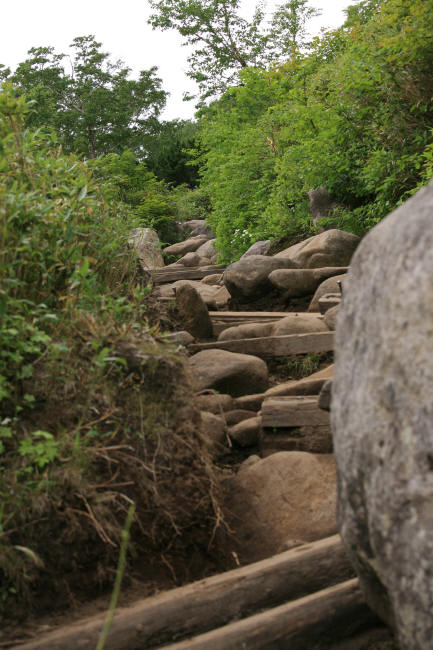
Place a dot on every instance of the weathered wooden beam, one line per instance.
(222, 320)
(247, 316)
(287, 411)
(298, 624)
(314, 440)
(165, 276)
(203, 605)
(273, 346)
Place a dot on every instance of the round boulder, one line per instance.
(188, 246)
(229, 372)
(208, 249)
(215, 429)
(330, 248)
(206, 291)
(247, 432)
(190, 259)
(248, 278)
(258, 248)
(193, 311)
(246, 331)
(298, 324)
(286, 495)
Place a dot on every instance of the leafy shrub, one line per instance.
(353, 114)
(94, 414)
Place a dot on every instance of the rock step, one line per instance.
(335, 612)
(273, 346)
(216, 601)
(293, 411)
(167, 275)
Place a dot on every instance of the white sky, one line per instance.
(122, 29)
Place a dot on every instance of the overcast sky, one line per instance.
(121, 27)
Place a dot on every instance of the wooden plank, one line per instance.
(310, 385)
(288, 411)
(273, 346)
(314, 440)
(165, 276)
(208, 603)
(222, 320)
(246, 316)
(303, 621)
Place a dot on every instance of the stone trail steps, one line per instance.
(305, 598)
(289, 600)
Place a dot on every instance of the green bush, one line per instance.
(94, 414)
(353, 114)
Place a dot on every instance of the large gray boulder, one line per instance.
(248, 278)
(296, 283)
(229, 372)
(215, 430)
(193, 312)
(195, 227)
(214, 402)
(246, 331)
(190, 259)
(321, 204)
(330, 248)
(289, 495)
(208, 250)
(246, 433)
(382, 415)
(208, 292)
(147, 247)
(258, 248)
(188, 246)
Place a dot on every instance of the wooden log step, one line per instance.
(301, 624)
(273, 346)
(222, 320)
(211, 602)
(288, 411)
(247, 316)
(165, 276)
(314, 440)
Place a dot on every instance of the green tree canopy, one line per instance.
(224, 42)
(92, 103)
(168, 154)
(353, 114)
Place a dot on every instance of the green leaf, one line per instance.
(82, 194)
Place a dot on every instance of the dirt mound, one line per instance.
(121, 432)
